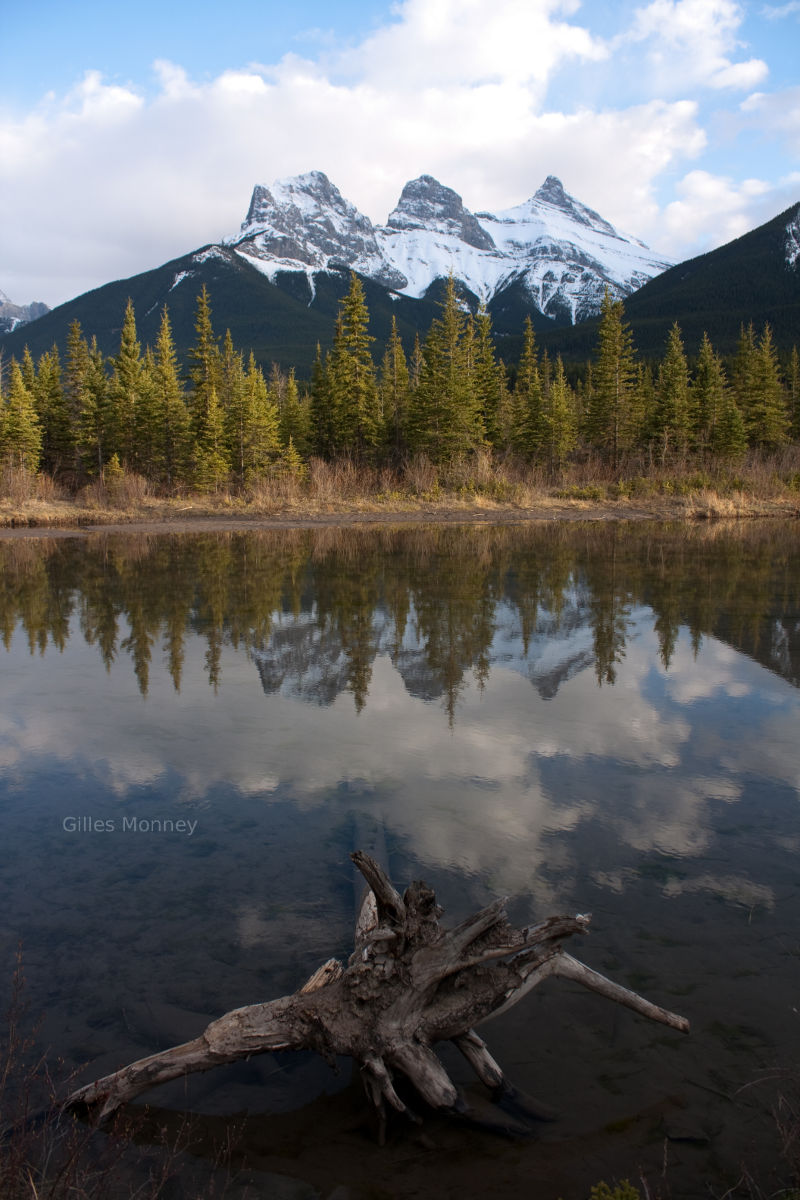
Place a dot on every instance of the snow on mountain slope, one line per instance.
(563, 252)
(793, 242)
(13, 315)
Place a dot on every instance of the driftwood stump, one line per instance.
(408, 985)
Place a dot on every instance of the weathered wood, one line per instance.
(408, 985)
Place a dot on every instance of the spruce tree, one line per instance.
(204, 369)
(20, 432)
(743, 377)
(445, 422)
(211, 460)
(560, 429)
(528, 422)
(769, 415)
(96, 418)
(322, 432)
(671, 424)
(126, 382)
(394, 389)
(353, 393)
(490, 383)
(75, 369)
(294, 417)
(610, 417)
(707, 396)
(171, 414)
(58, 435)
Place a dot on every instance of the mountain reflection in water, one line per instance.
(589, 717)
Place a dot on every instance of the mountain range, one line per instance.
(277, 282)
(12, 315)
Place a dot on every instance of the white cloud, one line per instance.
(776, 114)
(691, 43)
(711, 210)
(107, 181)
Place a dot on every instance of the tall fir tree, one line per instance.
(444, 421)
(172, 416)
(743, 375)
(204, 368)
(394, 388)
(560, 426)
(20, 432)
(294, 418)
(58, 435)
(126, 381)
(96, 422)
(707, 393)
(352, 387)
(491, 389)
(670, 423)
(529, 424)
(76, 367)
(611, 419)
(769, 415)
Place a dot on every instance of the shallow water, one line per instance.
(196, 730)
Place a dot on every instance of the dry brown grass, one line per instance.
(480, 485)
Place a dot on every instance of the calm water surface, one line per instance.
(195, 730)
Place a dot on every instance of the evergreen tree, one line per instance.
(58, 436)
(610, 417)
(445, 421)
(670, 421)
(76, 368)
(322, 433)
(20, 432)
(204, 370)
(769, 416)
(172, 444)
(707, 396)
(529, 423)
(126, 382)
(394, 390)
(560, 429)
(743, 378)
(490, 383)
(728, 437)
(96, 418)
(211, 461)
(353, 393)
(294, 418)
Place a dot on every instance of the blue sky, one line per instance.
(131, 136)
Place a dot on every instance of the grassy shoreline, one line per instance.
(35, 514)
(478, 490)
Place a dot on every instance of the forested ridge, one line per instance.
(216, 421)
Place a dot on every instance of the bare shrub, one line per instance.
(420, 474)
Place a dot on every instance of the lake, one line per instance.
(197, 729)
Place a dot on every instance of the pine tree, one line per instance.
(769, 416)
(126, 382)
(171, 415)
(322, 432)
(743, 378)
(294, 417)
(707, 394)
(490, 383)
(445, 421)
(96, 418)
(728, 437)
(610, 417)
(560, 429)
(58, 436)
(204, 371)
(20, 432)
(353, 393)
(76, 367)
(394, 389)
(529, 425)
(671, 425)
(211, 461)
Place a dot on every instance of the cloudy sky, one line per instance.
(129, 136)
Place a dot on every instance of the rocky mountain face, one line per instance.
(562, 253)
(13, 315)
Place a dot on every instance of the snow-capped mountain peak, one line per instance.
(13, 315)
(563, 253)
